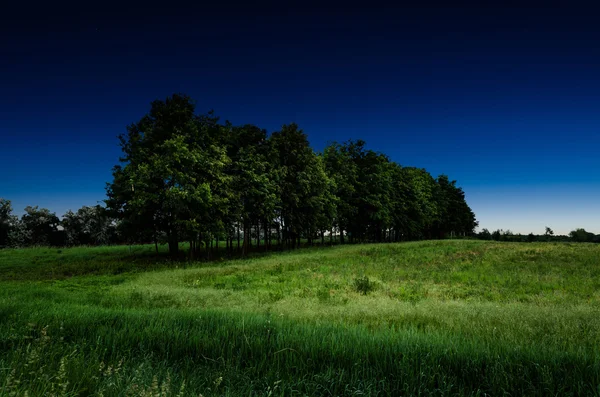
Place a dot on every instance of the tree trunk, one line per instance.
(322, 238)
(287, 236)
(341, 235)
(173, 247)
(246, 240)
(257, 235)
(278, 236)
(267, 235)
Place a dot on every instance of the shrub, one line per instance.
(363, 285)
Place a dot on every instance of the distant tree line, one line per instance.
(40, 227)
(185, 177)
(577, 235)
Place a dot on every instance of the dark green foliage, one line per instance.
(88, 226)
(378, 200)
(484, 234)
(254, 191)
(363, 285)
(171, 181)
(454, 215)
(185, 177)
(302, 185)
(36, 227)
(579, 235)
(6, 221)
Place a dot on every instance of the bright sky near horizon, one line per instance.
(504, 100)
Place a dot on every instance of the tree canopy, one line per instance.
(187, 177)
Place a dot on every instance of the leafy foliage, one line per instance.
(38, 226)
(185, 177)
(6, 219)
(89, 226)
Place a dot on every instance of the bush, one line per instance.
(363, 285)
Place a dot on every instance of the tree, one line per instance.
(373, 194)
(581, 236)
(549, 233)
(318, 209)
(171, 160)
(6, 220)
(343, 174)
(364, 180)
(88, 226)
(301, 182)
(422, 208)
(455, 216)
(38, 226)
(484, 234)
(255, 192)
(497, 235)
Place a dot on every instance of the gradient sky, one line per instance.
(504, 100)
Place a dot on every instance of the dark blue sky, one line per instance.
(504, 100)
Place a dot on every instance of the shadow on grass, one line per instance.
(47, 263)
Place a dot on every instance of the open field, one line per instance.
(429, 318)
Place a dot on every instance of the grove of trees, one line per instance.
(185, 177)
(577, 235)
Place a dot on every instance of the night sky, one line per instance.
(504, 100)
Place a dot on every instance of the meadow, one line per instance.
(452, 317)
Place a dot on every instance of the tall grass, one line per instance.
(439, 318)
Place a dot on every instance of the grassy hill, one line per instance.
(430, 318)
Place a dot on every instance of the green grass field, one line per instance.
(426, 318)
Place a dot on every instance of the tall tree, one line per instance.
(454, 215)
(300, 177)
(170, 159)
(343, 174)
(255, 188)
(363, 181)
(318, 207)
(423, 210)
